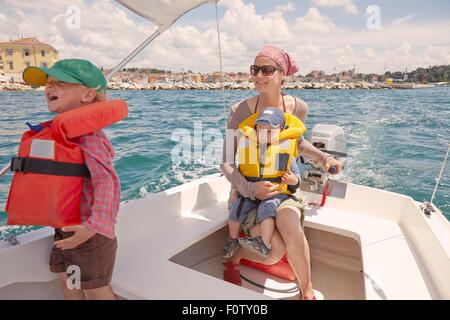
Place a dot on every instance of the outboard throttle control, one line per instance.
(330, 139)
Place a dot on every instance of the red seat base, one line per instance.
(280, 269)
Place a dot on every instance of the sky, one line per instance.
(371, 36)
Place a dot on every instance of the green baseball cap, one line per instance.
(67, 70)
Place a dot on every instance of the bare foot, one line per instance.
(307, 292)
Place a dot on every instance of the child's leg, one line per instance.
(261, 245)
(267, 227)
(70, 294)
(238, 212)
(266, 213)
(233, 228)
(103, 293)
(232, 243)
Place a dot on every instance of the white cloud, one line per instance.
(345, 56)
(369, 53)
(314, 22)
(308, 57)
(351, 9)
(288, 7)
(306, 52)
(405, 19)
(348, 5)
(107, 33)
(400, 55)
(253, 29)
(434, 55)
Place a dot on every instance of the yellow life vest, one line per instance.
(279, 154)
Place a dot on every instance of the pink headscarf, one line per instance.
(280, 56)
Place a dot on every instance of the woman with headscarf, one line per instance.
(271, 65)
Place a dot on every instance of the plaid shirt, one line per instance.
(100, 198)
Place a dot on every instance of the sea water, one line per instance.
(396, 139)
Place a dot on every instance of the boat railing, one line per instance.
(428, 206)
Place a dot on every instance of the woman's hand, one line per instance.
(333, 162)
(289, 178)
(265, 189)
(81, 235)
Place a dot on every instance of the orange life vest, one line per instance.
(49, 170)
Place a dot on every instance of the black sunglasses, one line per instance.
(266, 70)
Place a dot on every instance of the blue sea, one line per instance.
(396, 138)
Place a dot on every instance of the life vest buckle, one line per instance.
(17, 164)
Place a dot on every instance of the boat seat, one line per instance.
(143, 269)
(388, 261)
(389, 264)
(152, 230)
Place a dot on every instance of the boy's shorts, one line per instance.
(268, 208)
(95, 258)
(240, 208)
(296, 200)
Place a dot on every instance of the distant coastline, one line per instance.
(242, 86)
(156, 79)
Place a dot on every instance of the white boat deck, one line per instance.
(388, 262)
(404, 254)
(143, 269)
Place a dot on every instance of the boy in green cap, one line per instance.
(91, 246)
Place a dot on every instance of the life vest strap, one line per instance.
(44, 166)
(258, 179)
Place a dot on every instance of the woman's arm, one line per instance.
(306, 149)
(228, 165)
